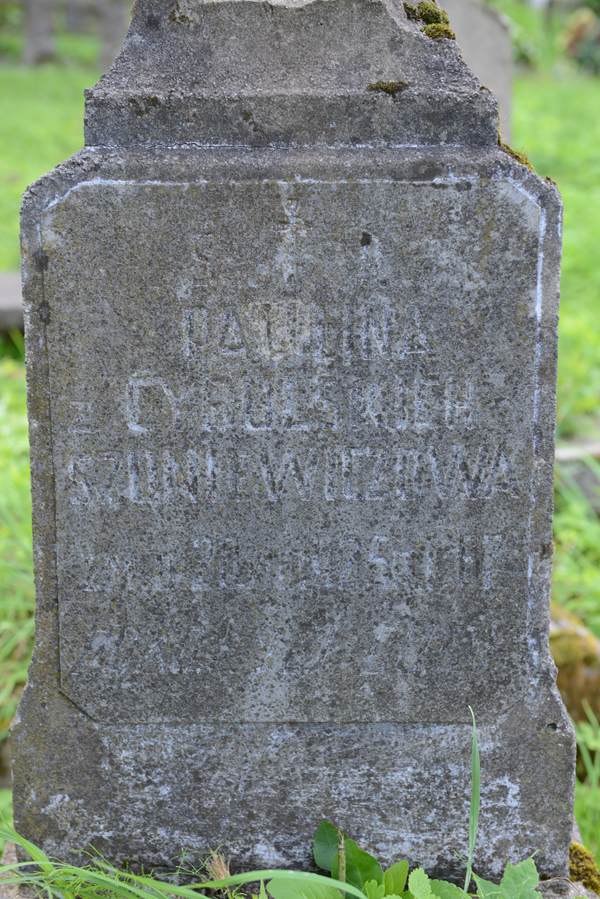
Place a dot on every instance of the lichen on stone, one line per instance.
(583, 868)
(411, 11)
(438, 31)
(388, 87)
(430, 13)
(516, 154)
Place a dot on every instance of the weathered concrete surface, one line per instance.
(484, 38)
(291, 391)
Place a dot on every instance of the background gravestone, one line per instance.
(485, 41)
(291, 326)
(40, 41)
(108, 17)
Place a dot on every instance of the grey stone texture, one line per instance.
(485, 41)
(291, 359)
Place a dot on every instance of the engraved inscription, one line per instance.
(294, 402)
(297, 478)
(385, 564)
(349, 473)
(374, 329)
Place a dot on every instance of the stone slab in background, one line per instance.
(485, 40)
(108, 17)
(292, 349)
(11, 306)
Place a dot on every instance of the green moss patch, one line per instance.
(388, 87)
(438, 31)
(411, 11)
(430, 13)
(516, 154)
(582, 867)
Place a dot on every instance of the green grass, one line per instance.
(537, 40)
(587, 795)
(5, 814)
(577, 552)
(71, 49)
(587, 813)
(555, 124)
(16, 582)
(41, 123)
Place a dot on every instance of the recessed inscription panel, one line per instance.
(291, 496)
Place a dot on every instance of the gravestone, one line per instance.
(39, 26)
(485, 40)
(108, 17)
(113, 16)
(291, 324)
(79, 16)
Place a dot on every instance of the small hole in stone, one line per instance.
(365, 239)
(552, 726)
(152, 21)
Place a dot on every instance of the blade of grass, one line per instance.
(270, 874)
(475, 800)
(34, 852)
(341, 857)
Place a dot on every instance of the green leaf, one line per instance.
(289, 889)
(486, 889)
(419, 884)
(300, 878)
(445, 890)
(361, 866)
(394, 878)
(325, 846)
(519, 881)
(374, 890)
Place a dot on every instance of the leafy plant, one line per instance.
(336, 853)
(518, 882)
(341, 856)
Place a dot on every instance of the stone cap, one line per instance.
(286, 73)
